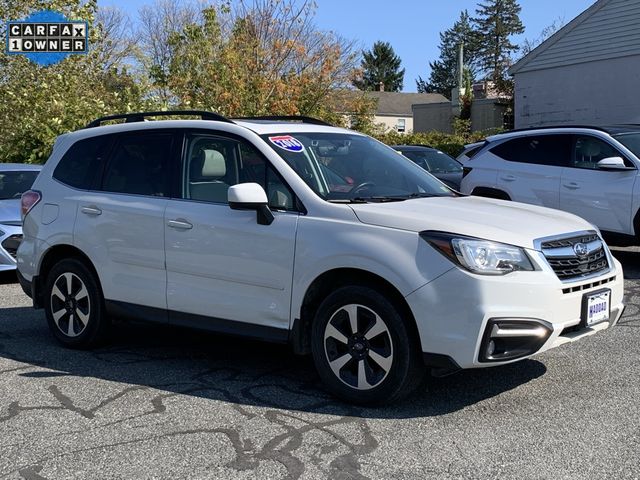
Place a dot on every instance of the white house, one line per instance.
(586, 73)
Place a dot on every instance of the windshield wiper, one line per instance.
(347, 200)
(423, 195)
(380, 199)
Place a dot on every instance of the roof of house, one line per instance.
(399, 103)
(607, 29)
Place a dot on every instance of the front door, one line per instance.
(602, 197)
(225, 271)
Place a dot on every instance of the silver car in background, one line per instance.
(15, 178)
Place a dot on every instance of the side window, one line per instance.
(417, 159)
(81, 164)
(213, 164)
(551, 150)
(139, 165)
(588, 151)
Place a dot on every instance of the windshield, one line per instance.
(13, 184)
(433, 161)
(344, 167)
(631, 141)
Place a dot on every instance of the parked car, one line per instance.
(437, 163)
(233, 226)
(589, 171)
(15, 178)
(469, 151)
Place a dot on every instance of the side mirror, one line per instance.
(250, 196)
(612, 163)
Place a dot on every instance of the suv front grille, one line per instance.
(577, 256)
(11, 244)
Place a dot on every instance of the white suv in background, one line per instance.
(292, 230)
(589, 171)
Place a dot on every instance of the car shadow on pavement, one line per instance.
(176, 361)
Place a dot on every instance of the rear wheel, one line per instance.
(363, 349)
(74, 305)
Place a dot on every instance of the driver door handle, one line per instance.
(91, 210)
(508, 178)
(179, 224)
(571, 185)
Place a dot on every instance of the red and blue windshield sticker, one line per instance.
(288, 143)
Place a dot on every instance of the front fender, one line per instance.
(400, 257)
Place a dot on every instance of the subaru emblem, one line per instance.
(581, 250)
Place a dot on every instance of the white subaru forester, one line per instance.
(291, 230)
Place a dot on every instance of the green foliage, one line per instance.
(380, 65)
(496, 22)
(453, 144)
(444, 71)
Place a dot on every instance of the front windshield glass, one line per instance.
(434, 161)
(631, 141)
(348, 167)
(13, 184)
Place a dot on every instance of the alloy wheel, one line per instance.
(358, 346)
(70, 304)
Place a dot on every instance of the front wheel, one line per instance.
(363, 349)
(74, 305)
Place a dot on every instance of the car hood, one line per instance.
(10, 211)
(498, 220)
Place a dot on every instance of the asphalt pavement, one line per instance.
(168, 403)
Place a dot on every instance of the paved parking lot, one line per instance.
(165, 403)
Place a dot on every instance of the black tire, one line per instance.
(398, 343)
(79, 320)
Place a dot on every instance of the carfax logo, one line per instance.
(47, 37)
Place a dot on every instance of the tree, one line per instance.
(529, 44)
(444, 71)
(260, 59)
(496, 22)
(158, 23)
(380, 66)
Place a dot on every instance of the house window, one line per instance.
(401, 125)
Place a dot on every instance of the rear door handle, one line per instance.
(508, 178)
(91, 210)
(571, 185)
(179, 224)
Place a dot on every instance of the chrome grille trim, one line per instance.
(567, 264)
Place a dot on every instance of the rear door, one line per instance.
(532, 167)
(225, 271)
(602, 197)
(120, 225)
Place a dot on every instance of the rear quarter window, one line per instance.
(81, 165)
(551, 150)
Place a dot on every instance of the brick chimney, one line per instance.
(381, 84)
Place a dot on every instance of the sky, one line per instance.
(412, 27)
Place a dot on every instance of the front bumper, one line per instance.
(10, 236)
(454, 311)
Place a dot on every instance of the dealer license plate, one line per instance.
(597, 307)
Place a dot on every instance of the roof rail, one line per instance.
(548, 127)
(288, 118)
(140, 116)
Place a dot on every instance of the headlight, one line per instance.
(479, 256)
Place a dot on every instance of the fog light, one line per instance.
(491, 347)
(511, 338)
